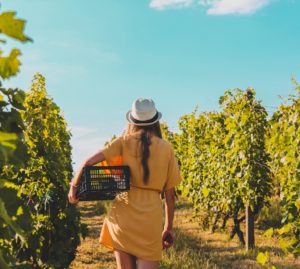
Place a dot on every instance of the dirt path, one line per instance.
(193, 249)
(90, 254)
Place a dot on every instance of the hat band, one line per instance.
(145, 121)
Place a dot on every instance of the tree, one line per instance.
(223, 159)
(14, 216)
(57, 228)
(284, 148)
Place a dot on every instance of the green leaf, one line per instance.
(4, 137)
(262, 257)
(9, 65)
(285, 229)
(20, 211)
(284, 244)
(205, 191)
(4, 215)
(269, 233)
(13, 27)
(7, 144)
(297, 204)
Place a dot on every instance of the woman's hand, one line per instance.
(167, 238)
(74, 183)
(96, 158)
(72, 195)
(167, 235)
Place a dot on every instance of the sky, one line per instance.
(99, 56)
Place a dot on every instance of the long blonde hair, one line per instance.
(146, 132)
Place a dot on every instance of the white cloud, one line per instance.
(163, 4)
(225, 7)
(215, 7)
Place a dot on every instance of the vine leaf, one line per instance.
(262, 257)
(13, 27)
(10, 65)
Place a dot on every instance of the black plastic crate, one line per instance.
(103, 182)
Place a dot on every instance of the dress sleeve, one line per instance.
(174, 176)
(112, 149)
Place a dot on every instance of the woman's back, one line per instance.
(164, 172)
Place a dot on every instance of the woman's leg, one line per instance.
(125, 260)
(143, 264)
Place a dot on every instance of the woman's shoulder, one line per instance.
(134, 139)
(164, 144)
(129, 137)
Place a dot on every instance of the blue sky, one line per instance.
(98, 56)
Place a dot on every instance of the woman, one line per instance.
(134, 228)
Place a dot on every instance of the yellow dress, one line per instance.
(134, 223)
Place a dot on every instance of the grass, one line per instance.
(193, 248)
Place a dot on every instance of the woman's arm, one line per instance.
(168, 237)
(169, 208)
(96, 158)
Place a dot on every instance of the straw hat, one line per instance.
(143, 112)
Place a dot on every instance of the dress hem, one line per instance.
(119, 248)
(113, 248)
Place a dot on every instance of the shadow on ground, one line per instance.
(205, 255)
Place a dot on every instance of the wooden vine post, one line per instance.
(249, 229)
